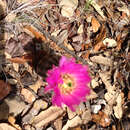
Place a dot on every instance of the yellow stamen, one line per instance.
(68, 84)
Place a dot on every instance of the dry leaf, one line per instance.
(16, 67)
(76, 128)
(37, 106)
(47, 116)
(102, 60)
(124, 9)
(86, 116)
(3, 7)
(80, 29)
(119, 42)
(21, 60)
(5, 89)
(12, 121)
(68, 7)
(118, 112)
(92, 95)
(101, 118)
(129, 95)
(35, 32)
(71, 114)
(99, 39)
(95, 24)
(37, 85)
(58, 123)
(28, 96)
(6, 126)
(105, 76)
(72, 123)
(94, 83)
(10, 17)
(68, 46)
(97, 8)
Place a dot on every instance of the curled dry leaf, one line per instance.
(118, 112)
(37, 106)
(72, 123)
(105, 76)
(68, 7)
(99, 39)
(46, 116)
(102, 60)
(5, 89)
(95, 24)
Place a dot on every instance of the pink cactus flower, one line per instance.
(69, 82)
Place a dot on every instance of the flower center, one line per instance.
(68, 84)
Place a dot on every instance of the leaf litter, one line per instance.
(34, 34)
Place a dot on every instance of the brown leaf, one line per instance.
(76, 128)
(129, 95)
(101, 118)
(14, 47)
(23, 59)
(99, 39)
(37, 34)
(95, 24)
(119, 42)
(5, 89)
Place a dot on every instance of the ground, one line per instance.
(35, 34)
